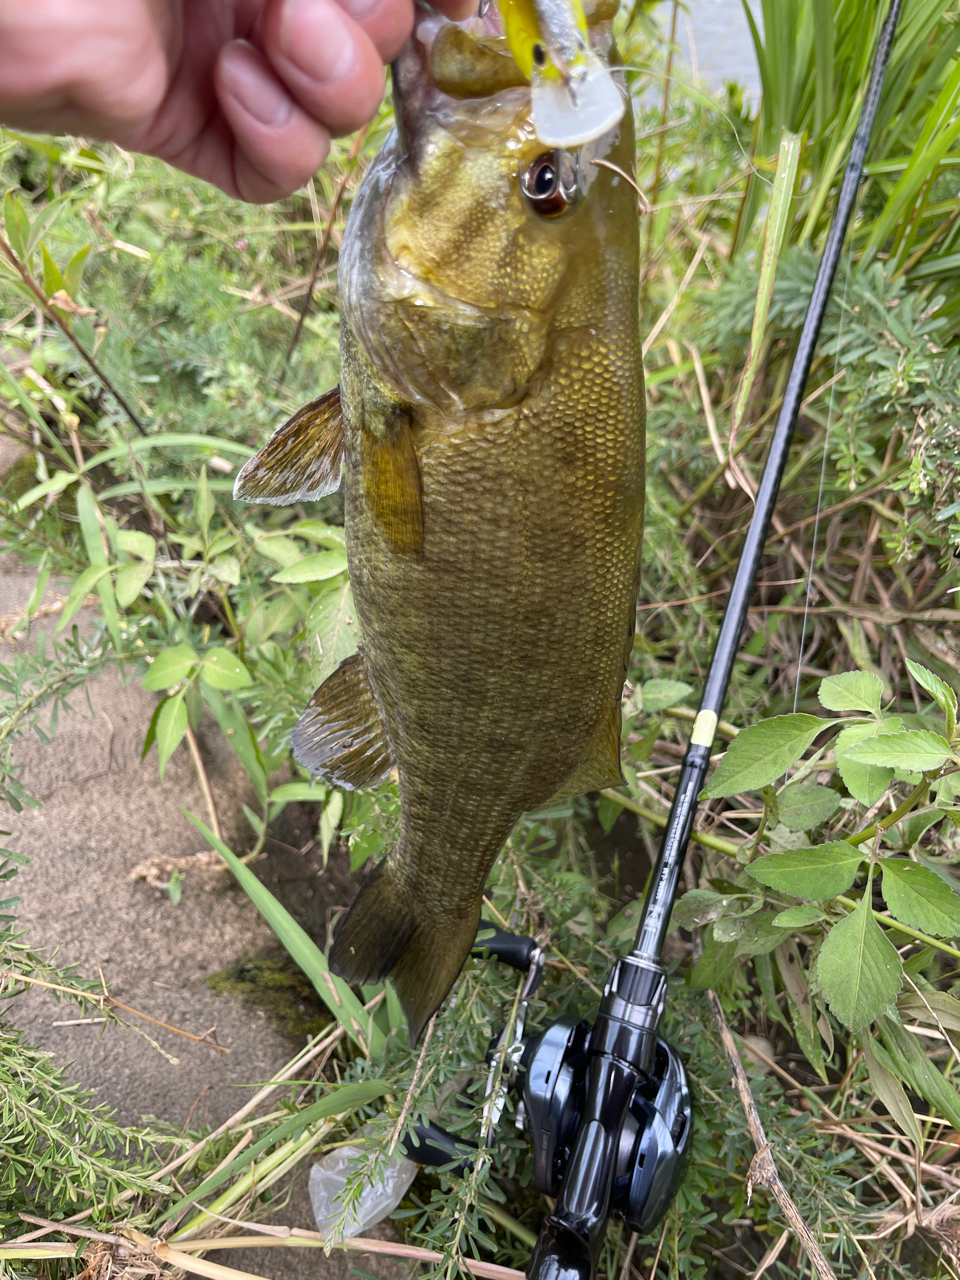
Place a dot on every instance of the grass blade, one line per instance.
(333, 991)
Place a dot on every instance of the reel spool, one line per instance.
(654, 1138)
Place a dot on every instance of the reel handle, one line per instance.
(514, 949)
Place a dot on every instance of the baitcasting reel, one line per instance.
(654, 1136)
(561, 1076)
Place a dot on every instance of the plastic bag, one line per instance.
(379, 1197)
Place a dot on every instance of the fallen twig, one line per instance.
(204, 783)
(763, 1170)
(102, 999)
(772, 1254)
(9, 621)
(313, 1239)
(324, 241)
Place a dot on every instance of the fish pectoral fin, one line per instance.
(393, 484)
(302, 461)
(385, 935)
(599, 766)
(341, 735)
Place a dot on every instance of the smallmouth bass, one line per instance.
(489, 424)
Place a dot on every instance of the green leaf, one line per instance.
(918, 1071)
(805, 1030)
(760, 934)
(608, 811)
(717, 962)
(852, 691)
(327, 535)
(818, 873)
(226, 569)
(915, 750)
(194, 704)
(16, 223)
(138, 544)
(858, 968)
(280, 613)
(798, 917)
(933, 1007)
(763, 753)
(919, 898)
(333, 991)
(223, 670)
(332, 625)
(312, 791)
(865, 782)
(939, 691)
(657, 694)
(151, 736)
(203, 504)
(697, 907)
(171, 726)
(73, 272)
(276, 547)
(771, 806)
(56, 484)
(316, 568)
(890, 1091)
(43, 221)
(79, 592)
(236, 729)
(254, 819)
(131, 579)
(92, 531)
(170, 667)
(330, 822)
(87, 512)
(52, 279)
(806, 805)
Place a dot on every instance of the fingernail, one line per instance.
(316, 39)
(257, 92)
(358, 8)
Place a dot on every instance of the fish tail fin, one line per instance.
(383, 936)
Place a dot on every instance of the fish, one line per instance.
(489, 429)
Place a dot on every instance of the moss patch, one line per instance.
(278, 988)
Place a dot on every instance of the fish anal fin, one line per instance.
(393, 484)
(384, 935)
(599, 766)
(302, 461)
(340, 734)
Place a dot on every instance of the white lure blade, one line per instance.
(572, 113)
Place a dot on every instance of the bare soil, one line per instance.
(105, 814)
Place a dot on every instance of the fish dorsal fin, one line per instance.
(340, 735)
(302, 461)
(393, 484)
(599, 766)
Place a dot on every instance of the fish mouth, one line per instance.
(449, 272)
(446, 62)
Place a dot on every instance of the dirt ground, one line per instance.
(104, 814)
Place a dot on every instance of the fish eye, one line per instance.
(550, 183)
(539, 55)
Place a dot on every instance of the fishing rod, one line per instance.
(608, 1105)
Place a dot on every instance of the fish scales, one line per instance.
(493, 440)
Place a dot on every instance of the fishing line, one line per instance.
(823, 475)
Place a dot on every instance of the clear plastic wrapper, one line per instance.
(380, 1196)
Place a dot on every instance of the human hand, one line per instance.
(244, 93)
